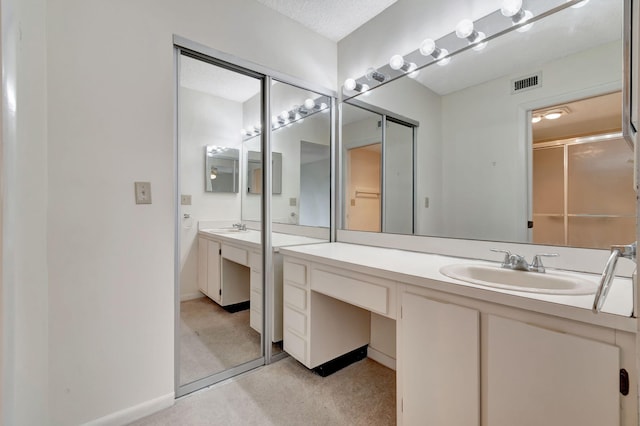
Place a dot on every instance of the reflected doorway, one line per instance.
(583, 194)
(364, 167)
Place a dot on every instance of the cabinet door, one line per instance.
(213, 270)
(440, 363)
(202, 265)
(538, 377)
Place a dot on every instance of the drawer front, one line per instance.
(373, 297)
(295, 272)
(295, 346)
(255, 320)
(256, 281)
(235, 254)
(295, 297)
(255, 301)
(255, 261)
(295, 321)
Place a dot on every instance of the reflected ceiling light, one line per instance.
(555, 113)
(429, 48)
(323, 107)
(465, 29)
(373, 74)
(397, 62)
(351, 84)
(580, 4)
(536, 119)
(513, 9)
(214, 173)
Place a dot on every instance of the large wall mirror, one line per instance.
(518, 141)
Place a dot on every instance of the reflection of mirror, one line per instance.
(254, 172)
(474, 143)
(213, 338)
(300, 144)
(221, 171)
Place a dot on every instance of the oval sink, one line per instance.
(508, 279)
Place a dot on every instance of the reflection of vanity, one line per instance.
(230, 271)
(499, 354)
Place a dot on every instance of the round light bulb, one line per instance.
(350, 84)
(478, 43)
(411, 72)
(511, 7)
(396, 62)
(536, 119)
(527, 15)
(323, 106)
(284, 115)
(464, 28)
(445, 59)
(365, 88)
(427, 47)
(309, 103)
(553, 115)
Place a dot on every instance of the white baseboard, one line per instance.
(134, 413)
(381, 358)
(191, 296)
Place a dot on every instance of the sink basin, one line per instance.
(225, 230)
(508, 279)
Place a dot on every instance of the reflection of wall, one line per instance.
(204, 120)
(484, 160)
(315, 191)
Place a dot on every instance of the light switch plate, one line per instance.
(143, 192)
(185, 200)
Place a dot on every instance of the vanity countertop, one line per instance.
(253, 238)
(423, 269)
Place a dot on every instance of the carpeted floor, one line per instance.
(213, 340)
(286, 393)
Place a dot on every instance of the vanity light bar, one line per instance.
(288, 117)
(468, 34)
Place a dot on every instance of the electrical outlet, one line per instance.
(185, 200)
(426, 202)
(143, 192)
(293, 202)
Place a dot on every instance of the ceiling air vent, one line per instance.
(526, 83)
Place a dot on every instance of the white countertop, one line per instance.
(253, 238)
(423, 269)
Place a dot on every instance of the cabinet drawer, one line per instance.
(235, 254)
(295, 346)
(295, 321)
(295, 272)
(255, 320)
(255, 301)
(295, 297)
(255, 261)
(256, 281)
(356, 291)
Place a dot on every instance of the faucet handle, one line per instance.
(537, 261)
(507, 255)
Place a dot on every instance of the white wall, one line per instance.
(111, 262)
(24, 234)
(204, 120)
(485, 157)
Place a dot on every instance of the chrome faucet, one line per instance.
(240, 226)
(629, 252)
(519, 263)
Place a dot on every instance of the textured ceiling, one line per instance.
(333, 19)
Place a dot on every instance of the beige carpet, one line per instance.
(213, 340)
(286, 393)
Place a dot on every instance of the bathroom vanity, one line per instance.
(230, 271)
(466, 354)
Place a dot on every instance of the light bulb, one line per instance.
(553, 115)
(214, 173)
(536, 119)
(527, 15)
(445, 59)
(479, 44)
(323, 106)
(511, 7)
(427, 47)
(350, 84)
(411, 70)
(464, 28)
(365, 88)
(396, 62)
(284, 115)
(309, 103)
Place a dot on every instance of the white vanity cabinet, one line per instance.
(439, 351)
(209, 268)
(275, 322)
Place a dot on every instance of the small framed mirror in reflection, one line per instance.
(221, 169)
